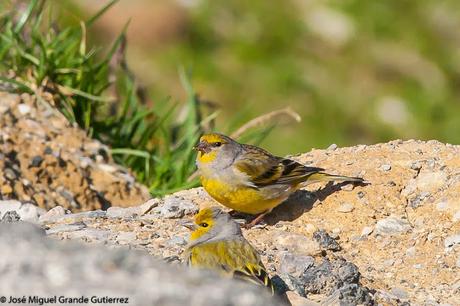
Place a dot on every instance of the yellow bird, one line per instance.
(249, 179)
(216, 243)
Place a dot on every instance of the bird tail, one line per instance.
(325, 177)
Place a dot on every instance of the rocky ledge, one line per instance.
(395, 241)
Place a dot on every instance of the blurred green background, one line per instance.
(356, 71)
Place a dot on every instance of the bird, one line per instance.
(217, 243)
(249, 179)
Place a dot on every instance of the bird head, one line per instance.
(217, 150)
(212, 224)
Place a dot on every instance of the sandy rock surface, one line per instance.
(398, 244)
(47, 162)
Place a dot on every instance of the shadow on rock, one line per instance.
(301, 202)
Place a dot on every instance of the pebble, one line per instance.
(392, 225)
(6, 189)
(399, 293)
(176, 240)
(30, 212)
(410, 252)
(10, 216)
(325, 241)
(10, 174)
(452, 240)
(296, 243)
(418, 266)
(52, 214)
(36, 161)
(295, 265)
(175, 207)
(385, 167)
(90, 235)
(24, 109)
(332, 147)
(125, 237)
(345, 208)
(456, 216)
(120, 212)
(367, 230)
(442, 206)
(9, 205)
(66, 228)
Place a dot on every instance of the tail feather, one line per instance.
(325, 177)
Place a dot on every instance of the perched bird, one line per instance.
(216, 243)
(249, 179)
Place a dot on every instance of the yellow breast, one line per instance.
(240, 198)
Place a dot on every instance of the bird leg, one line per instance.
(256, 220)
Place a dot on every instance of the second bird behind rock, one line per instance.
(249, 179)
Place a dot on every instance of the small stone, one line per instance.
(325, 241)
(416, 165)
(10, 217)
(24, 109)
(345, 208)
(296, 243)
(52, 214)
(441, 206)
(367, 230)
(418, 266)
(9, 205)
(36, 161)
(456, 216)
(389, 262)
(310, 228)
(452, 240)
(399, 293)
(90, 235)
(10, 174)
(126, 237)
(175, 207)
(66, 228)
(176, 241)
(332, 147)
(30, 212)
(392, 225)
(295, 265)
(410, 252)
(385, 167)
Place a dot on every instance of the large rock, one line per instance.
(33, 265)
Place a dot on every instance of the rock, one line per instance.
(345, 208)
(332, 147)
(325, 241)
(295, 265)
(300, 301)
(24, 109)
(36, 161)
(337, 278)
(96, 235)
(66, 228)
(120, 212)
(452, 240)
(61, 269)
(296, 243)
(52, 214)
(385, 167)
(399, 293)
(176, 241)
(123, 237)
(366, 231)
(442, 206)
(456, 216)
(392, 226)
(410, 252)
(29, 212)
(10, 217)
(9, 205)
(175, 207)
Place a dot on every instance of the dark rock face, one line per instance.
(326, 242)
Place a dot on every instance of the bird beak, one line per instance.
(203, 147)
(189, 224)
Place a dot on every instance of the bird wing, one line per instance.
(235, 257)
(264, 169)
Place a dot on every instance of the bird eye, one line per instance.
(217, 144)
(204, 224)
